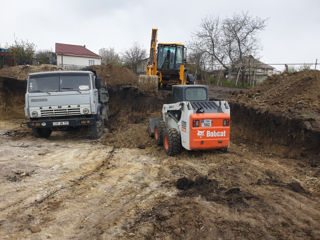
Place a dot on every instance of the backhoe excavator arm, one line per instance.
(152, 63)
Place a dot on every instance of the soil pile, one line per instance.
(21, 72)
(115, 76)
(282, 112)
(294, 95)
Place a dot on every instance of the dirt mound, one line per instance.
(210, 190)
(115, 76)
(282, 114)
(21, 72)
(292, 94)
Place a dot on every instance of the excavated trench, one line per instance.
(130, 113)
(131, 110)
(11, 98)
(276, 133)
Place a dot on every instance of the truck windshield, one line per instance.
(44, 83)
(74, 82)
(196, 94)
(57, 83)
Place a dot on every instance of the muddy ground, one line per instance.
(123, 186)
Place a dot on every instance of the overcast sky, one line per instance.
(292, 33)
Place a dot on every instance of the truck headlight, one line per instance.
(85, 111)
(34, 114)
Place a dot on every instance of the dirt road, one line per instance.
(68, 187)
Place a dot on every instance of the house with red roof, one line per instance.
(75, 56)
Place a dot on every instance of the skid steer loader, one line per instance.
(192, 121)
(165, 67)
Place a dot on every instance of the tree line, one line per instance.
(218, 43)
(24, 52)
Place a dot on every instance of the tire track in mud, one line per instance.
(77, 181)
(122, 183)
(60, 192)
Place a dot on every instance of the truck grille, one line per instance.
(60, 112)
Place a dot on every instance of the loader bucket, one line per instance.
(148, 84)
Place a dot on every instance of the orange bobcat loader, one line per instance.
(192, 121)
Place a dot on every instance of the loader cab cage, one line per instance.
(170, 56)
(192, 93)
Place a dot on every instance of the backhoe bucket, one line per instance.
(148, 84)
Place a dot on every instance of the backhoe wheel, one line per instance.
(96, 130)
(41, 132)
(158, 132)
(172, 142)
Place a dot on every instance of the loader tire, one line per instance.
(172, 142)
(41, 132)
(158, 132)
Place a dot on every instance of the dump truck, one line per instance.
(192, 121)
(64, 100)
(166, 66)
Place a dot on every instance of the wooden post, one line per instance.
(315, 65)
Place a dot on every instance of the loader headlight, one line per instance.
(86, 111)
(34, 114)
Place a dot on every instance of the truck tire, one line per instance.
(158, 132)
(105, 115)
(41, 132)
(96, 130)
(172, 142)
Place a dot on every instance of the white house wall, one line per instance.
(72, 61)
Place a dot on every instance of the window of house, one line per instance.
(91, 62)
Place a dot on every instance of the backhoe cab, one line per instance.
(165, 67)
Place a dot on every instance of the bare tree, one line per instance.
(109, 56)
(228, 41)
(197, 59)
(22, 51)
(240, 33)
(133, 56)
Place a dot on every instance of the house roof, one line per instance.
(250, 61)
(74, 50)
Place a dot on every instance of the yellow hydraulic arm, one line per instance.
(152, 63)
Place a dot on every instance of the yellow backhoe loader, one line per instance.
(165, 67)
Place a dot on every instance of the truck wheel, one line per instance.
(41, 132)
(96, 130)
(172, 142)
(158, 132)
